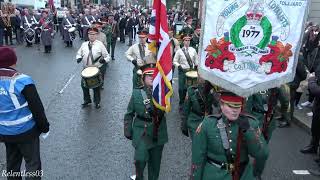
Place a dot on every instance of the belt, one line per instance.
(223, 165)
(145, 119)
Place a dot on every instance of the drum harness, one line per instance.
(88, 22)
(91, 55)
(233, 164)
(187, 55)
(153, 113)
(71, 34)
(29, 28)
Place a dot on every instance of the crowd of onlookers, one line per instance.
(307, 82)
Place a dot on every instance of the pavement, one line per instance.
(300, 115)
(89, 143)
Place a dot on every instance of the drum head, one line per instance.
(89, 72)
(192, 74)
(72, 29)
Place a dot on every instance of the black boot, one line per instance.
(312, 147)
(284, 124)
(49, 49)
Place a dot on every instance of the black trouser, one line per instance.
(47, 49)
(80, 32)
(310, 97)
(29, 151)
(298, 97)
(293, 94)
(134, 33)
(130, 35)
(122, 39)
(86, 94)
(1, 36)
(19, 35)
(113, 46)
(8, 35)
(315, 125)
(69, 43)
(37, 37)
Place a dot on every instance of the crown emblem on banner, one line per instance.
(254, 18)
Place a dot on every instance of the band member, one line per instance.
(47, 29)
(137, 55)
(196, 39)
(199, 102)
(122, 27)
(129, 27)
(79, 25)
(22, 117)
(102, 38)
(223, 143)
(112, 32)
(185, 59)
(142, 22)
(145, 125)
(175, 46)
(187, 28)
(92, 53)
(36, 20)
(27, 24)
(68, 22)
(86, 23)
(95, 16)
(262, 106)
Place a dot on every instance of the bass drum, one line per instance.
(72, 33)
(72, 36)
(29, 35)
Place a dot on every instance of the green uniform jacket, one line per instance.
(187, 30)
(138, 124)
(195, 42)
(193, 111)
(207, 143)
(108, 32)
(257, 104)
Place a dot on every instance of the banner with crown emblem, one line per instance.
(251, 45)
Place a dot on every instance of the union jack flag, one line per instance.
(160, 45)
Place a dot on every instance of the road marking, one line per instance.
(301, 172)
(67, 84)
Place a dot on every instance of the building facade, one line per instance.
(314, 12)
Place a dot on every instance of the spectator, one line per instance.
(301, 74)
(17, 27)
(314, 87)
(22, 116)
(1, 29)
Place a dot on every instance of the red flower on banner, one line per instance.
(278, 57)
(217, 53)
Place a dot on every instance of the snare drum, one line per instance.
(72, 29)
(91, 77)
(191, 78)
